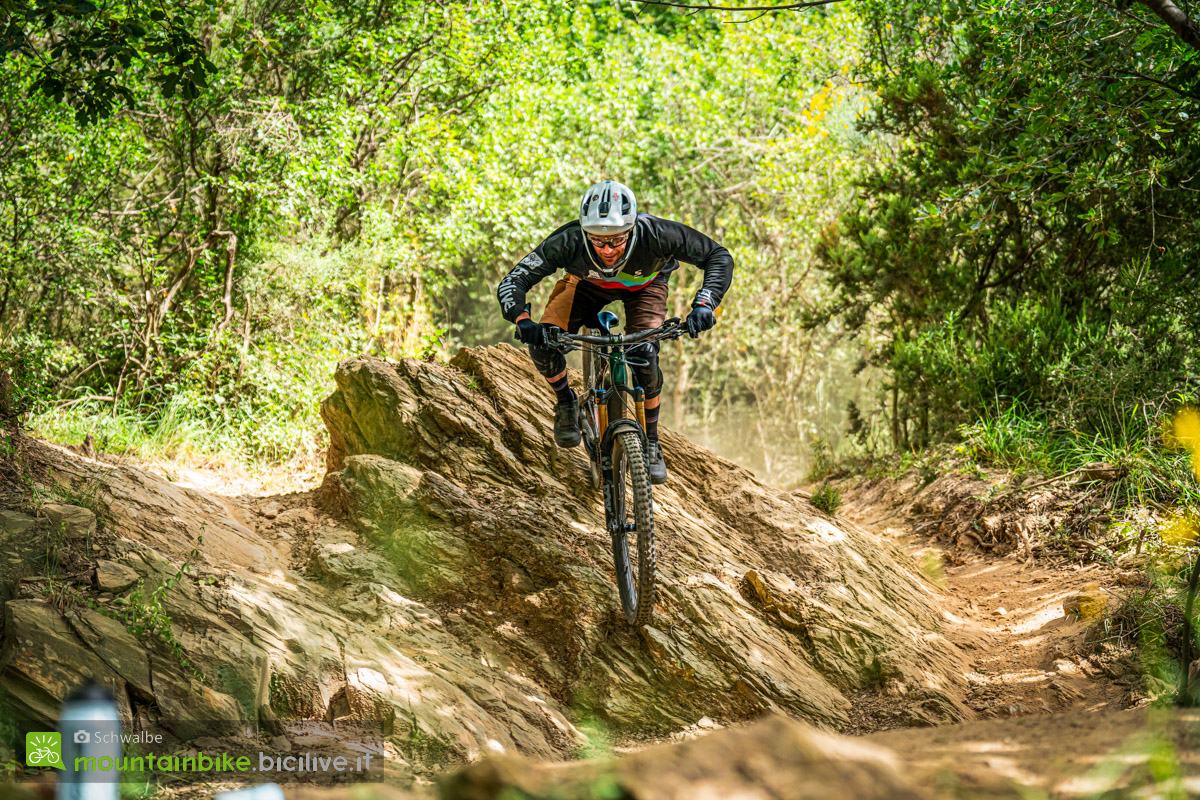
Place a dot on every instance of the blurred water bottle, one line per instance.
(265, 791)
(91, 729)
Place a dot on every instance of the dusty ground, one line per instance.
(1056, 716)
(232, 481)
(1033, 657)
(1145, 752)
(1060, 715)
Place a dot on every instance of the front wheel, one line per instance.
(589, 419)
(633, 513)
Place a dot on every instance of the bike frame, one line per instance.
(612, 395)
(620, 397)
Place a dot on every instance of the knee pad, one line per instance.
(650, 377)
(645, 350)
(652, 384)
(548, 361)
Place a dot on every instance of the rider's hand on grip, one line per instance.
(700, 320)
(531, 333)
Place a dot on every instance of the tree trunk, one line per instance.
(1183, 26)
(227, 298)
(683, 356)
(680, 390)
(895, 417)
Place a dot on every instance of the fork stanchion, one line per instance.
(602, 407)
(639, 400)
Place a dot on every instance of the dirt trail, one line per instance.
(1032, 658)
(1053, 718)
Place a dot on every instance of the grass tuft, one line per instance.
(827, 498)
(1152, 472)
(178, 433)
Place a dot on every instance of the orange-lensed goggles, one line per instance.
(613, 242)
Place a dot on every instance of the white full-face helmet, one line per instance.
(609, 208)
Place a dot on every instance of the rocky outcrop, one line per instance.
(775, 759)
(140, 507)
(765, 604)
(453, 587)
(258, 638)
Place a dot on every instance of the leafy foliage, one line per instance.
(219, 249)
(82, 51)
(827, 498)
(1030, 234)
(355, 178)
(995, 199)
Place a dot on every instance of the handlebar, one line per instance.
(671, 329)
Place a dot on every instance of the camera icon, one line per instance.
(82, 737)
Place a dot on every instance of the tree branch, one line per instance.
(1185, 28)
(752, 8)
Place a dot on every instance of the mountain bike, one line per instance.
(612, 421)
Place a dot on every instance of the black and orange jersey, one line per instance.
(657, 246)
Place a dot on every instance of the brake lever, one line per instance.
(553, 339)
(677, 328)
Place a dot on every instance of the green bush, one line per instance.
(29, 362)
(827, 498)
(821, 461)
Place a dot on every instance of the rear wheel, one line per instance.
(633, 542)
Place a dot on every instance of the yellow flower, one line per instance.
(1179, 529)
(1186, 430)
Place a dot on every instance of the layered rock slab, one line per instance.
(257, 640)
(485, 515)
(467, 605)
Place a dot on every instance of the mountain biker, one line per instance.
(612, 253)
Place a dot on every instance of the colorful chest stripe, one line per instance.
(624, 281)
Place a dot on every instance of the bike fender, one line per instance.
(615, 427)
(606, 444)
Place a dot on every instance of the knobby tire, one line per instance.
(635, 581)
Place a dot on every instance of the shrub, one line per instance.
(827, 498)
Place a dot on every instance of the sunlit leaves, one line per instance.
(83, 51)
(1040, 147)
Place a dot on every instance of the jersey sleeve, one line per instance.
(693, 247)
(546, 259)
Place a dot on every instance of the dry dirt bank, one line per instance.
(1034, 649)
(450, 582)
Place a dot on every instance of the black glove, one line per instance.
(700, 320)
(531, 333)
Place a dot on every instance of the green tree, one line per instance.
(1029, 234)
(82, 52)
